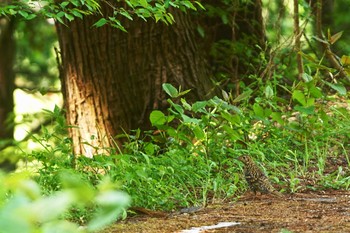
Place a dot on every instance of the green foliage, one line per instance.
(35, 66)
(64, 11)
(24, 209)
(297, 129)
(189, 158)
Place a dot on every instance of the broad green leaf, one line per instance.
(48, 208)
(232, 118)
(307, 78)
(310, 102)
(113, 203)
(307, 110)
(269, 92)
(277, 116)
(315, 92)
(258, 110)
(234, 134)
(77, 14)
(189, 5)
(60, 14)
(299, 96)
(157, 118)
(69, 17)
(101, 22)
(23, 13)
(188, 119)
(337, 87)
(199, 132)
(125, 14)
(170, 90)
(144, 3)
(149, 149)
(199, 106)
(64, 4)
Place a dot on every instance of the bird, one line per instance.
(255, 177)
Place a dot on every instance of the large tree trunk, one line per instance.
(112, 80)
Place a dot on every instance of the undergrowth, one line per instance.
(190, 157)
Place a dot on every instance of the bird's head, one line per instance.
(246, 159)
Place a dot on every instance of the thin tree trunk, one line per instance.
(297, 36)
(112, 80)
(7, 76)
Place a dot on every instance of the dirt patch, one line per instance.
(306, 212)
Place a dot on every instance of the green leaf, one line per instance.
(307, 110)
(200, 5)
(232, 118)
(157, 118)
(243, 96)
(277, 116)
(269, 92)
(64, 4)
(125, 14)
(101, 22)
(77, 14)
(258, 110)
(23, 13)
(186, 105)
(199, 132)
(201, 31)
(69, 17)
(149, 149)
(170, 90)
(315, 92)
(144, 3)
(48, 208)
(299, 96)
(199, 106)
(113, 204)
(337, 87)
(189, 5)
(306, 77)
(188, 119)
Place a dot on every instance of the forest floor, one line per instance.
(326, 211)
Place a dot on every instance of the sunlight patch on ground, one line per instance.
(203, 228)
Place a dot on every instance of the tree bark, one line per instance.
(112, 80)
(7, 77)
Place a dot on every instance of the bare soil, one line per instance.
(327, 211)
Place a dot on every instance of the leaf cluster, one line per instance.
(63, 11)
(24, 209)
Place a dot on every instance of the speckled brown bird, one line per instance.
(255, 177)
